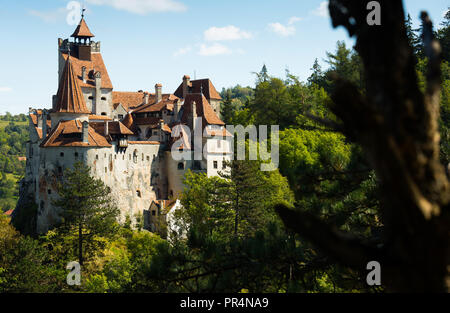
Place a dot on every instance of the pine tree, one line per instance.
(444, 36)
(317, 74)
(86, 208)
(227, 109)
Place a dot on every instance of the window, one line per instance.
(155, 132)
(76, 154)
(148, 158)
(171, 193)
(104, 98)
(138, 193)
(90, 97)
(61, 154)
(106, 170)
(153, 212)
(59, 169)
(96, 157)
(104, 113)
(181, 166)
(115, 157)
(120, 116)
(142, 157)
(215, 164)
(49, 191)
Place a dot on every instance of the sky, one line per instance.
(144, 42)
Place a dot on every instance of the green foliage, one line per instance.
(13, 138)
(86, 210)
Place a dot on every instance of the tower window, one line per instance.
(104, 113)
(103, 98)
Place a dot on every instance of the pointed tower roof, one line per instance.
(70, 97)
(82, 30)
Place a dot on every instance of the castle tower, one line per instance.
(82, 36)
(69, 102)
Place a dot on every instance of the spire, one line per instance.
(82, 30)
(70, 98)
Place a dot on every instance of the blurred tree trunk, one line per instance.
(397, 125)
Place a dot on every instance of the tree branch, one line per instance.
(341, 246)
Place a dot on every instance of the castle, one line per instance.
(125, 137)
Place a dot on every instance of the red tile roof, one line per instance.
(99, 117)
(114, 128)
(82, 30)
(209, 90)
(96, 64)
(127, 99)
(167, 102)
(152, 121)
(204, 110)
(70, 98)
(69, 134)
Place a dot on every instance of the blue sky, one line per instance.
(145, 42)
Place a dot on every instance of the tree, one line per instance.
(397, 125)
(227, 109)
(317, 76)
(87, 209)
(444, 36)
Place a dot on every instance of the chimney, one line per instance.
(83, 74)
(39, 120)
(44, 123)
(186, 83)
(85, 132)
(146, 96)
(158, 93)
(194, 114)
(106, 128)
(161, 132)
(175, 110)
(98, 93)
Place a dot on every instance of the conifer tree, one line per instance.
(86, 208)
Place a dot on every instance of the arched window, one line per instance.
(135, 156)
(181, 166)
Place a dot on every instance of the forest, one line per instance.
(270, 232)
(13, 138)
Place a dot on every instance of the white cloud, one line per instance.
(280, 29)
(182, 51)
(226, 33)
(50, 16)
(142, 7)
(215, 49)
(322, 10)
(5, 89)
(294, 20)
